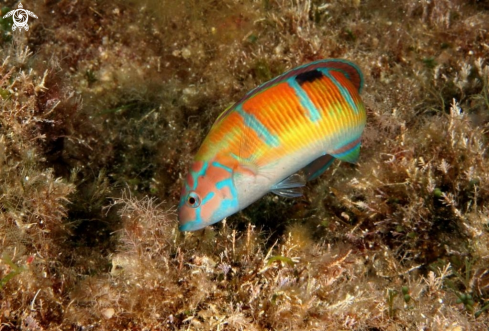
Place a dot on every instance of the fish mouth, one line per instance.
(183, 227)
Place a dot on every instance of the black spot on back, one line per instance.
(308, 76)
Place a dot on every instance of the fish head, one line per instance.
(208, 196)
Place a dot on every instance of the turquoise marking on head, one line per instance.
(228, 206)
(217, 164)
(208, 196)
(196, 175)
(192, 225)
(195, 180)
(227, 183)
(304, 100)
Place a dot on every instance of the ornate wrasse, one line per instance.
(302, 119)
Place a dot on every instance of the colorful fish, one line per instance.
(300, 120)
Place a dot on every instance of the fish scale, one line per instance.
(302, 119)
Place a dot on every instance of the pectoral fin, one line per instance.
(289, 192)
(290, 187)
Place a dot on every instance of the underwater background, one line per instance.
(105, 103)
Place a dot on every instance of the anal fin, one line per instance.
(349, 152)
(290, 187)
(314, 169)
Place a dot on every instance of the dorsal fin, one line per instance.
(221, 115)
(347, 68)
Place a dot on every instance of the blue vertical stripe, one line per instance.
(344, 92)
(253, 123)
(304, 100)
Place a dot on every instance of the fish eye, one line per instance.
(193, 200)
